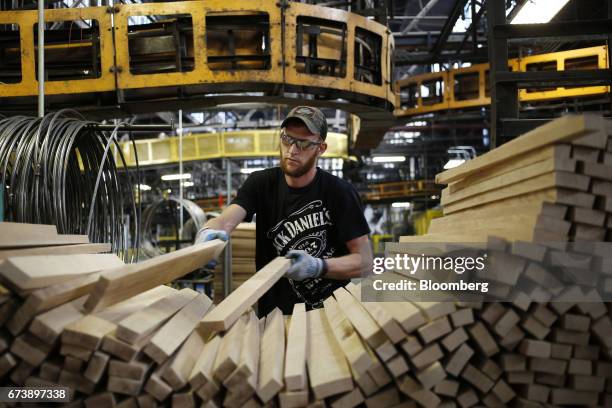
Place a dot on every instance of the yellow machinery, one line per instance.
(469, 87)
(192, 54)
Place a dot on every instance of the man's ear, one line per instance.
(322, 148)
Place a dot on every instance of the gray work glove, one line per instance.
(303, 266)
(208, 234)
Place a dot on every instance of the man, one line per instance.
(303, 213)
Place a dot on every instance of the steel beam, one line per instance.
(448, 26)
(504, 96)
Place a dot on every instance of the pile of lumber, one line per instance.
(243, 259)
(72, 314)
(551, 184)
(130, 341)
(119, 337)
(542, 205)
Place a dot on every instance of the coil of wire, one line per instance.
(59, 169)
(196, 220)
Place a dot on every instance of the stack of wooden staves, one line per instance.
(540, 202)
(551, 184)
(119, 337)
(135, 343)
(243, 259)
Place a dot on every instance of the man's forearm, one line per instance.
(347, 267)
(217, 224)
(228, 220)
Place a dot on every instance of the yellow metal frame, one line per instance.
(347, 83)
(201, 72)
(282, 62)
(206, 146)
(443, 76)
(450, 102)
(560, 58)
(26, 20)
(480, 69)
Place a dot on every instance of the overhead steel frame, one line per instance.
(372, 103)
(504, 95)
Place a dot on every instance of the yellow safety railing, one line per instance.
(205, 146)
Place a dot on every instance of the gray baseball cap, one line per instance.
(313, 118)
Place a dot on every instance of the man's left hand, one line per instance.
(303, 265)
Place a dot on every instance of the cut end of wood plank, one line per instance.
(94, 301)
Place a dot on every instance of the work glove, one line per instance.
(303, 266)
(208, 234)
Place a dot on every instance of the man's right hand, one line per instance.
(208, 234)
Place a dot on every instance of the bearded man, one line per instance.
(303, 213)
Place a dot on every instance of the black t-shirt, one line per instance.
(318, 218)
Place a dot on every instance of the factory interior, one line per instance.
(127, 127)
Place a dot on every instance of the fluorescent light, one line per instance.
(401, 205)
(251, 170)
(171, 177)
(188, 183)
(388, 159)
(538, 11)
(452, 163)
(144, 187)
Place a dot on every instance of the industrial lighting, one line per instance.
(188, 183)
(452, 163)
(251, 170)
(388, 159)
(171, 177)
(144, 187)
(538, 11)
(401, 205)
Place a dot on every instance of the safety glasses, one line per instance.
(301, 144)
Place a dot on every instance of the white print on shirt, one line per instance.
(303, 229)
(306, 230)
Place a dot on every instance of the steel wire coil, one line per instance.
(196, 221)
(59, 170)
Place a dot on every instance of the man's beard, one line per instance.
(300, 171)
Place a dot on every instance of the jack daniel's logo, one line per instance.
(303, 229)
(306, 229)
